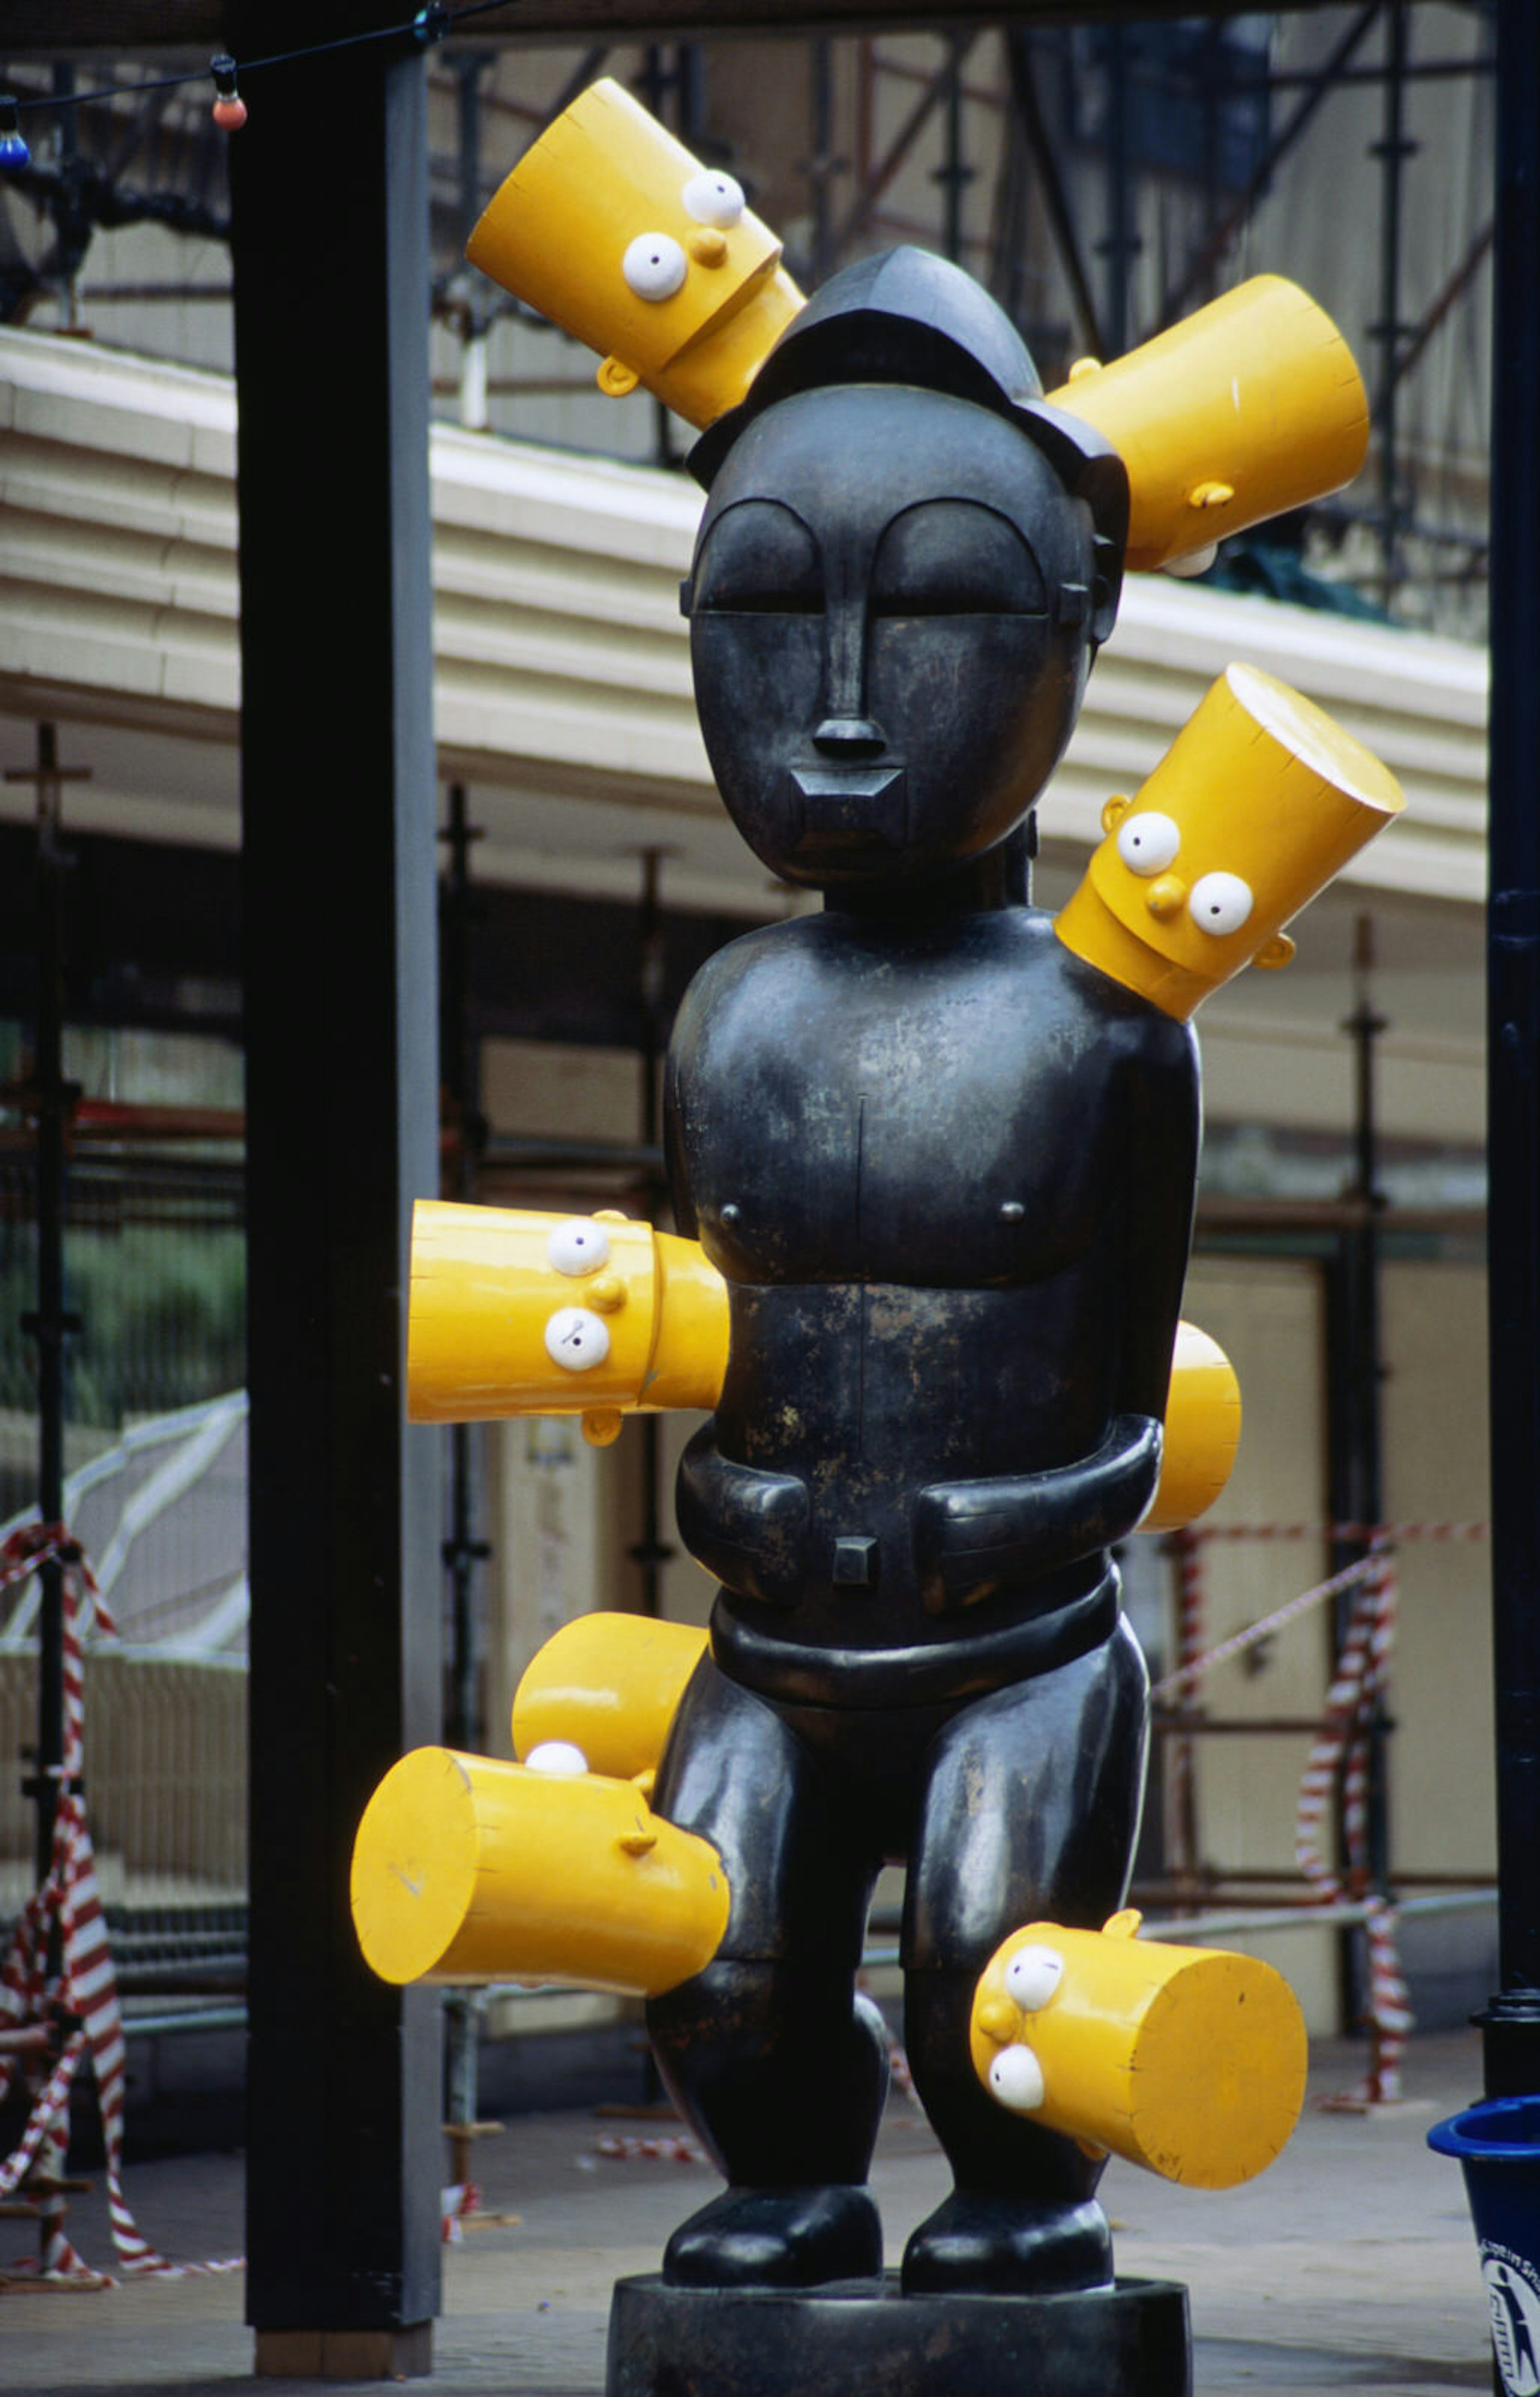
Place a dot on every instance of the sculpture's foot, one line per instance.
(776, 2239)
(1005, 2246)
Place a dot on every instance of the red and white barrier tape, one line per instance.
(1263, 1628)
(1340, 1758)
(86, 1985)
(676, 2149)
(1398, 1535)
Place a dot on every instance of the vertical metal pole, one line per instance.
(468, 73)
(956, 175)
(462, 1079)
(1357, 1467)
(1393, 149)
(461, 1073)
(1119, 246)
(50, 1324)
(651, 1551)
(1215, 91)
(820, 164)
(339, 788)
(1366, 1027)
(69, 150)
(472, 314)
(1356, 1496)
(1512, 2021)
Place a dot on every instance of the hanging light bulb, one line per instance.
(229, 107)
(13, 147)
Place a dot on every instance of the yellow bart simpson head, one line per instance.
(611, 229)
(1259, 801)
(1246, 408)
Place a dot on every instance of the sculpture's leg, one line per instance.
(770, 2053)
(1031, 1813)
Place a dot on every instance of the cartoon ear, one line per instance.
(1123, 1924)
(616, 377)
(1114, 812)
(1276, 952)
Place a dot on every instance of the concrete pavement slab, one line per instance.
(1350, 2266)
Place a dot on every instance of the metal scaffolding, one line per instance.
(1041, 155)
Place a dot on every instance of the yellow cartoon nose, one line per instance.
(1167, 897)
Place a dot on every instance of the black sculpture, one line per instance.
(947, 1172)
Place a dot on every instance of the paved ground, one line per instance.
(1350, 2266)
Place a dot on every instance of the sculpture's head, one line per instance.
(905, 568)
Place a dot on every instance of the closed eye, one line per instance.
(946, 603)
(954, 557)
(759, 603)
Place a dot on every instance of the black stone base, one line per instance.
(853, 2338)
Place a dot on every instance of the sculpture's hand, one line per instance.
(970, 1537)
(747, 1527)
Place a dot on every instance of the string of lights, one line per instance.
(425, 29)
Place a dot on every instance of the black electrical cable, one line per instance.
(427, 28)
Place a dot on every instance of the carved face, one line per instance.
(889, 628)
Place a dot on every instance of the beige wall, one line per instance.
(1436, 1464)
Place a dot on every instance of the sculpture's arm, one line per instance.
(746, 1526)
(970, 1537)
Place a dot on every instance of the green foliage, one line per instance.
(163, 1318)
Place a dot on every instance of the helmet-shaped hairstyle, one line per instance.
(906, 316)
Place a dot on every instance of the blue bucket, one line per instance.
(1498, 2146)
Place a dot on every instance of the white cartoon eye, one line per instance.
(1220, 903)
(713, 198)
(1016, 2080)
(579, 1246)
(577, 1339)
(1032, 1976)
(1147, 842)
(654, 266)
(560, 1757)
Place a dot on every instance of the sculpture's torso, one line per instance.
(923, 1158)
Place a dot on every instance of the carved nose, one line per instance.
(853, 739)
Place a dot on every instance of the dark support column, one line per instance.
(1512, 2022)
(50, 1105)
(330, 207)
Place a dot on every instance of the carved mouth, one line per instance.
(850, 807)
